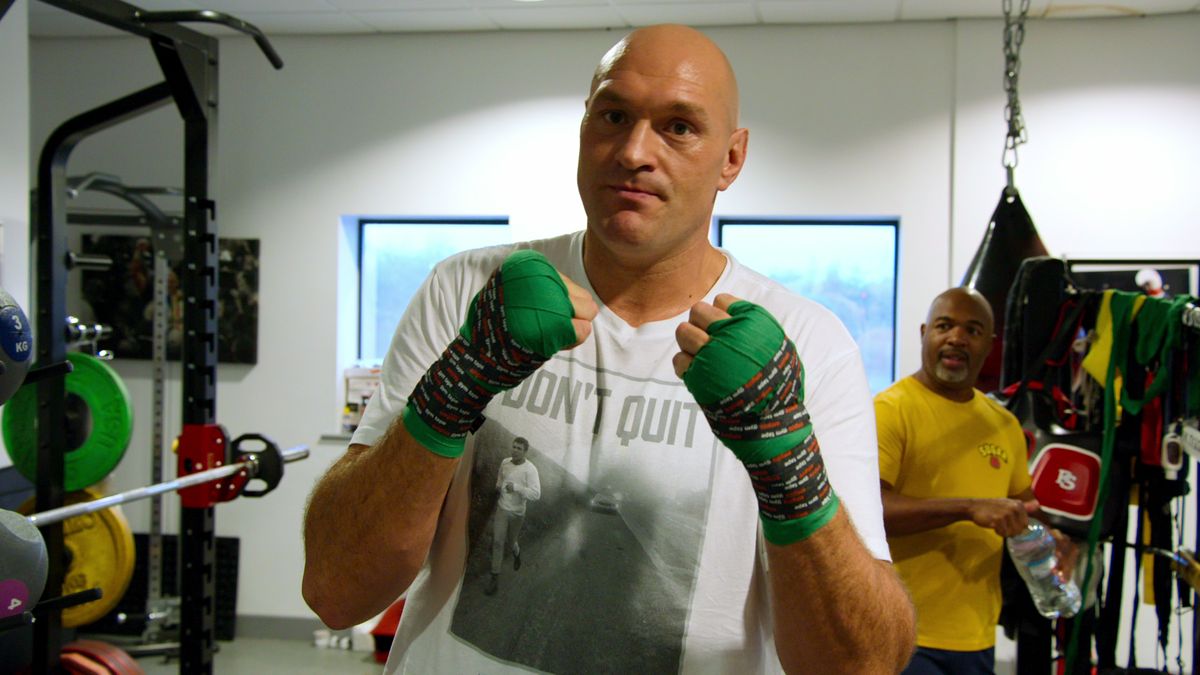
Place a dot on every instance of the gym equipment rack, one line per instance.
(189, 62)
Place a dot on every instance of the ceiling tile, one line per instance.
(1077, 10)
(536, 5)
(396, 5)
(542, 18)
(696, 14)
(239, 7)
(310, 23)
(828, 11)
(427, 20)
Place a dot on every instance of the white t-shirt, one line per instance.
(643, 553)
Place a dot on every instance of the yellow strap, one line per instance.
(1096, 360)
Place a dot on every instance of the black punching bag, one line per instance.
(1010, 238)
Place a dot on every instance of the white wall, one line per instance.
(901, 120)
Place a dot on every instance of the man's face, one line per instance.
(519, 450)
(655, 148)
(955, 341)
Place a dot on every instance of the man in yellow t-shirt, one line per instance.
(955, 482)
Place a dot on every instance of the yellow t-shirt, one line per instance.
(930, 446)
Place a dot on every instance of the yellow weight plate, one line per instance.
(101, 554)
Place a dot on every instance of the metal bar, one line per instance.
(209, 16)
(123, 16)
(120, 220)
(193, 75)
(158, 443)
(60, 514)
(51, 237)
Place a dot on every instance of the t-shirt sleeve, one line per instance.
(840, 405)
(428, 325)
(889, 430)
(1020, 480)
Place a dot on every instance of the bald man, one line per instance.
(955, 482)
(709, 497)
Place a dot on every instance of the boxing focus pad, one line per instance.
(749, 382)
(520, 318)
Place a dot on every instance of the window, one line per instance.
(395, 256)
(846, 265)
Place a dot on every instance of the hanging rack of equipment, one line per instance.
(189, 62)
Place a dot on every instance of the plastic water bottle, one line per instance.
(1032, 552)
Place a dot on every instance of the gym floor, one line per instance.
(261, 655)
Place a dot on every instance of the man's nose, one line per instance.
(958, 336)
(637, 148)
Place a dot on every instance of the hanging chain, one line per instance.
(1014, 35)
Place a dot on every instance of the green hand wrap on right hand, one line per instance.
(537, 306)
(520, 318)
(749, 382)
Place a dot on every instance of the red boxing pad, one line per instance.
(1066, 480)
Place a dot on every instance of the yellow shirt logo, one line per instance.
(994, 454)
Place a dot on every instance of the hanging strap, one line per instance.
(1137, 575)
(1062, 338)
(1121, 304)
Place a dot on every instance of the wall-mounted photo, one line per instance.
(123, 297)
(1155, 278)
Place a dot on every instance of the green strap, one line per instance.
(1121, 304)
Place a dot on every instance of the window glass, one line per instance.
(848, 266)
(396, 255)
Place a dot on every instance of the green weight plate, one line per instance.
(106, 398)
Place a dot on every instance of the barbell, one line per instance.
(23, 556)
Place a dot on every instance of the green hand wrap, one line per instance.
(749, 382)
(537, 307)
(520, 318)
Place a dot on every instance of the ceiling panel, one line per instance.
(422, 20)
(698, 14)
(829, 11)
(372, 16)
(561, 17)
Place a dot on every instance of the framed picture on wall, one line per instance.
(122, 297)
(1156, 278)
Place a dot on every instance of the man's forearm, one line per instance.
(836, 608)
(908, 515)
(369, 524)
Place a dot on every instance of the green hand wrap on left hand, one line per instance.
(749, 382)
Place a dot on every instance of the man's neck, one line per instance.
(641, 292)
(957, 395)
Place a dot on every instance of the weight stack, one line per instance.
(133, 605)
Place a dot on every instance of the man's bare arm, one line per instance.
(372, 518)
(909, 515)
(836, 608)
(369, 524)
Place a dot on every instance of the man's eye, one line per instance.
(613, 116)
(681, 128)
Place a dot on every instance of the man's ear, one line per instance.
(735, 157)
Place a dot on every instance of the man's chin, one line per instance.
(952, 376)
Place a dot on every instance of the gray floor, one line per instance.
(260, 656)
